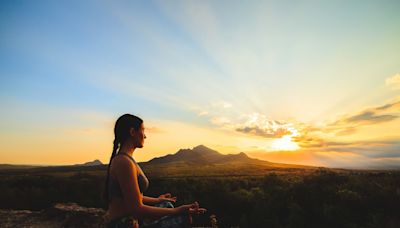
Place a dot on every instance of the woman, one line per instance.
(126, 183)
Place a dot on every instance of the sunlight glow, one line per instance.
(285, 143)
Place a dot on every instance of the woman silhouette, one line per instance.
(126, 182)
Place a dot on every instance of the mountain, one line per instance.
(203, 161)
(91, 163)
(201, 155)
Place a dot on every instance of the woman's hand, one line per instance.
(195, 209)
(167, 197)
(192, 209)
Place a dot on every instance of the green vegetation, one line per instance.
(321, 198)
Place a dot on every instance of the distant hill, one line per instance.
(9, 166)
(41, 167)
(91, 163)
(95, 165)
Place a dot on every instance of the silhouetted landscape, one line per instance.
(239, 190)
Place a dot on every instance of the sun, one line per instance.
(285, 143)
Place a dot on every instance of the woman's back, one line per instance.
(117, 206)
(114, 189)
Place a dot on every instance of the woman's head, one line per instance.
(129, 128)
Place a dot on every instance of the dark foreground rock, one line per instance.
(60, 215)
(66, 215)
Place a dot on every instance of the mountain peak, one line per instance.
(200, 147)
(91, 163)
(242, 154)
(204, 149)
(201, 155)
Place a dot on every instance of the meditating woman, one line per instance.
(126, 182)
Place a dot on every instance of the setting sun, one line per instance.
(285, 143)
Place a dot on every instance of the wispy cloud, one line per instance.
(394, 81)
(349, 124)
(369, 117)
(375, 115)
(368, 148)
(155, 130)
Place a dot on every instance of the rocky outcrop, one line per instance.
(66, 215)
(60, 215)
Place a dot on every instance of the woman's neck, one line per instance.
(127, 149)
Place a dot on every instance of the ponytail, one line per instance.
(114, 152)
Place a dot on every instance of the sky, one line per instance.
(304, 82)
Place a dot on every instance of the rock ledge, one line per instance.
(60, 215)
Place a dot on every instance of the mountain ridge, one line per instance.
(91, 163)
(203, 161)
(202, 155)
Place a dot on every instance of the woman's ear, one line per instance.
(132, 131)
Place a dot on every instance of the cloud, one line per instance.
(369, 117)
(373, 154)
(346, 131)
(305, 141)
(393, 106)
(255, 124)
(260, 125)
(266, 132)
(394, 81)
(373, 115)
(371, 149)
(155, 130)
(349, 124)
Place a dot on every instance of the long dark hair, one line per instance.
(121, 134)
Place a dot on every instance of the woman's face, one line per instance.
(139, 136)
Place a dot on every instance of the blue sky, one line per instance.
(68, 69)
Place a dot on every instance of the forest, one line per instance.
(322, 198)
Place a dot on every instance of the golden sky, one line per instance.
(307, 83)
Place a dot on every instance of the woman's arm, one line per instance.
(151, 200)
(161, 198)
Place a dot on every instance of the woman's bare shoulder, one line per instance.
(122, 163)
